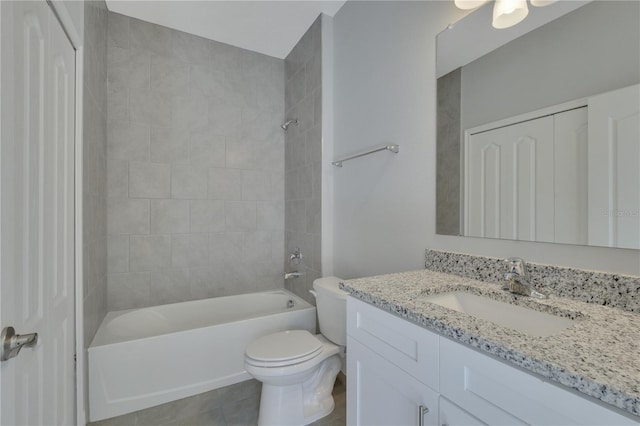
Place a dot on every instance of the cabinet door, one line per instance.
(500, 394)
(379, 393)
(452, 415)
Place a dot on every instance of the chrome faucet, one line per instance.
(518, 279)
(294, 274)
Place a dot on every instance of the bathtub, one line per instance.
(144, 357)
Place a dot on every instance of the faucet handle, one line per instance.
(516, 266)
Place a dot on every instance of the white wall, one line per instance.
(385, 204)
(589, 51)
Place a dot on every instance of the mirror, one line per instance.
(538, 126)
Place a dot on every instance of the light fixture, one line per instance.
(507, 13)
(469, 4)
(541, 3)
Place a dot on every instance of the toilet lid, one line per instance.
(284, 346)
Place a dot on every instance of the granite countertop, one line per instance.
(599, 355)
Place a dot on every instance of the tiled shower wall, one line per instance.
(195, 167)
(94, 162)
(303, 155)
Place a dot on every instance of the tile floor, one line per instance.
(235, 405)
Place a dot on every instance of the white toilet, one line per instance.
(296, 368)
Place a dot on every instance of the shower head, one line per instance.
(286, 125)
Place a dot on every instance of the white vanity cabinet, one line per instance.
(401, 374)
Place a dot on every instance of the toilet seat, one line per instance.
(283, 349)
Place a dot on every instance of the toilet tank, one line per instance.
(331, 303)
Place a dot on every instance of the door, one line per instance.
(614, 175)
(509, 190)
(379, 393)
(37, 214)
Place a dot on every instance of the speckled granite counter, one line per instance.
(599, 355)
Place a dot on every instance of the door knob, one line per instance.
(11, 343)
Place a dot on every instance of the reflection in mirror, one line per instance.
(538, 138)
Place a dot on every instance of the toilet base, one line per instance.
(300, 403)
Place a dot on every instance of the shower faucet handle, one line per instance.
(295, 256)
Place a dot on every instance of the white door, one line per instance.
(614, 175)
(379, 393)
(37, 214)
(509, 182)
(570, 186)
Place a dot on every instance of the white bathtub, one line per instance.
(144, 357)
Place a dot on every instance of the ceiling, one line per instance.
(265, 26)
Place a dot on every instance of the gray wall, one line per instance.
(94, 163)
(448, 218)
(385, 90)
(303, 156)
(195, 167)
(591, 50)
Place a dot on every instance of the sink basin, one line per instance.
(528, 321)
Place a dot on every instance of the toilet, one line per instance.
(298, 369)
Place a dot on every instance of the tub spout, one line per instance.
(294, 274)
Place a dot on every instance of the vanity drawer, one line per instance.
(500, 394)
(408, 346)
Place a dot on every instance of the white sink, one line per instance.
(518, 318)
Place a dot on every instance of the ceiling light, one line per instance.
(507, 13)
(541, 3)
(469, 4)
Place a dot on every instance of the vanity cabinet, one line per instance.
(396, 369)
(385, 394)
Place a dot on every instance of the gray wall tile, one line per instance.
(270, 215)
(150, 107)
(169, 75)
(256, 185)
(194, 144)
(118, 103)
(206, 82)
(241, 153)
(117, 178)
(303, 155)
(127, 216)
(207, 149)
(149, 252)
(257, 246)
(149, 180)
(190, 250)
(240, 215)
(96, 259)
(150, 37)
(225, 58)
(224, 119)
(190, 113)
(118, 30)
(128, 68)
(225, 247)
(168, 145)
(128, 290)
(169, 216)
(118, 253)
(225, 184)
(207, 216)
(127, 141)
(190, 48)
(207, 281)
(189, 181)
(169, 286)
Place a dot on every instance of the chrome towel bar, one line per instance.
(393, 148)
